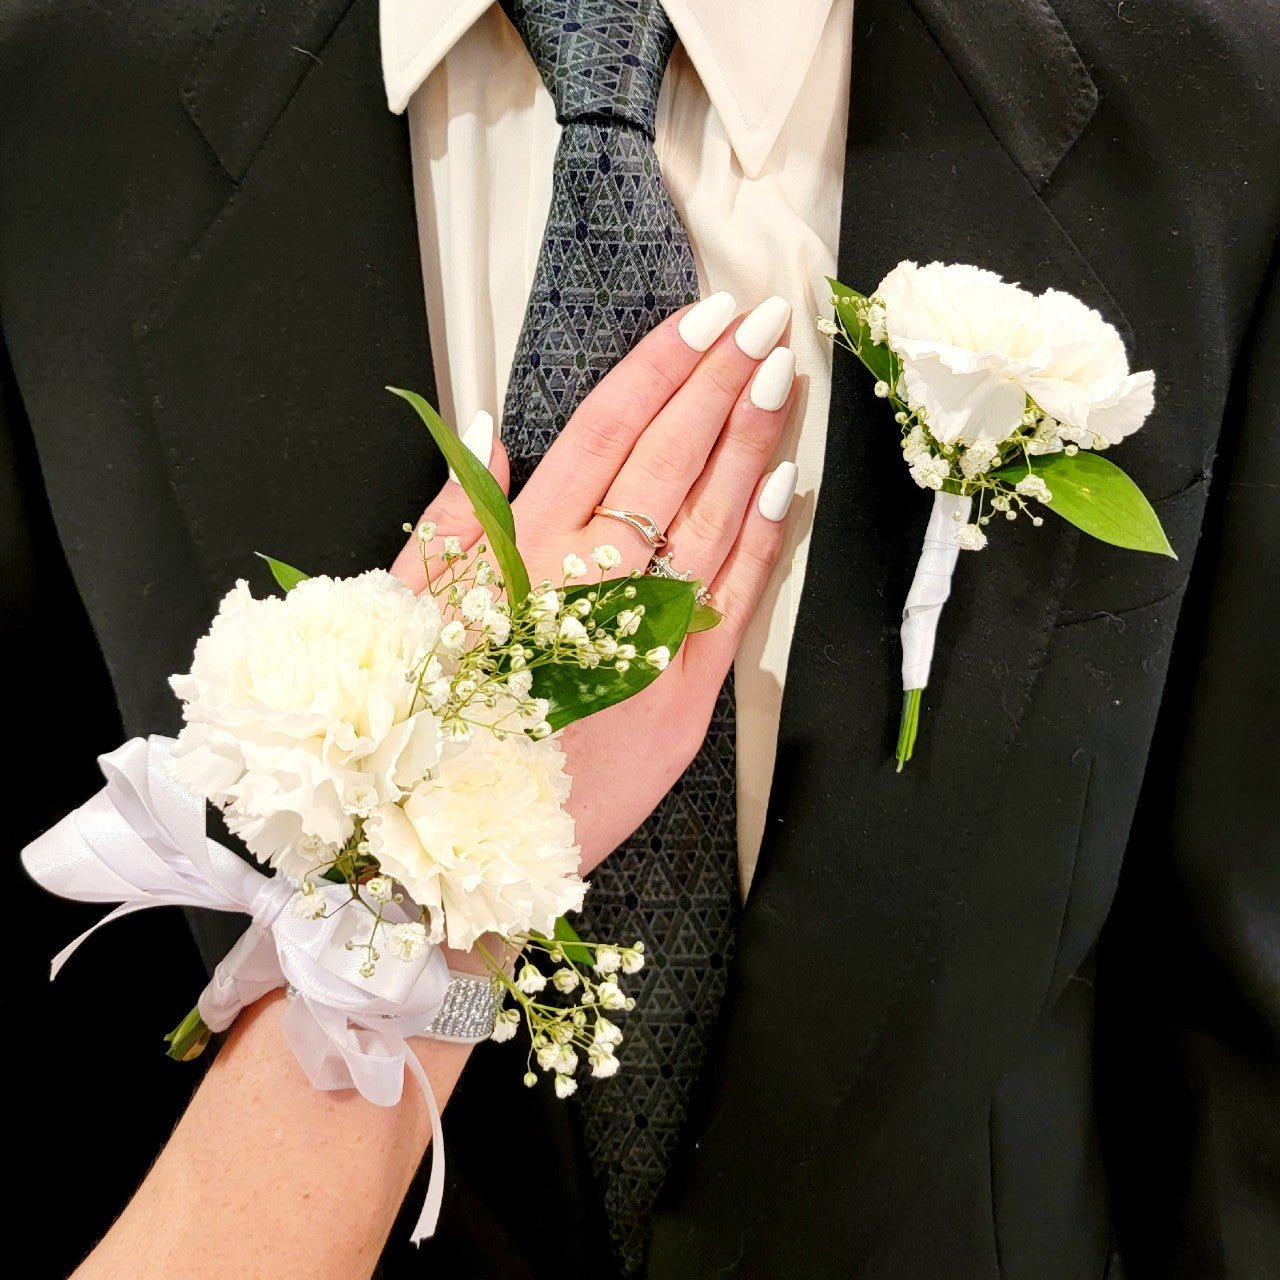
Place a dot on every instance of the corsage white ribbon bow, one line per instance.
(141, 842)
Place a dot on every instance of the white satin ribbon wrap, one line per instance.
(141, 842)
(930, 587)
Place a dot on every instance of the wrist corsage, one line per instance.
(392, 758)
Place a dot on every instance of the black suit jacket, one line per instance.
(935, 1060)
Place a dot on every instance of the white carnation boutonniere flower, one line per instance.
(1005, 400)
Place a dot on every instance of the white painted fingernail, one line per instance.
(772, 383)
(703, 324)
(759, 332)
(478, 437)
(778, 491)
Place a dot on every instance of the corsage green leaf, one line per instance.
(570, 943)
(1098, 498)
(285, 574)
(704, 617)
(574, 692)
(491, 506)
(876, 356)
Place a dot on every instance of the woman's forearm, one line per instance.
(265, 1176)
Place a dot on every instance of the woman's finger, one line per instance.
(671, 453)
(595, 442)
(450, 511)
(737, 589)
(706, 526)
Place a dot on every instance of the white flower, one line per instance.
(574, 566)
(607, 556)
(881, 390)
(974, 348)
(497, 626)
(610, 996)
(929, 471)
(453, 637)
(566, 980)
(486, 839)
(519, 683)
(452, 547)
(877, 319)
(608, 960)
(914, 444)
(660, 658)
(603, 1061)
(978, 457)
(628, 621)
(360, 798)
(476, 603)
(505, 1025)
(1033, 486)
(557, 1057)
(632, 959)
(572, 631)
(969, 537)
(310, 906)
(292, 702)
(827, 327)
(530, 980)
(545, 604)
(408, 940)
(380, 888)
(606, 1032)
(566, 1086)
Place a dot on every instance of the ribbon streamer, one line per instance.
(141, 842)
(930, 587)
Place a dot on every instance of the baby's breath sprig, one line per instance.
(564, 1034)
(494, 647)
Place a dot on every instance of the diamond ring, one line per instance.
(645, 526)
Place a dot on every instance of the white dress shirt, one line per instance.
(750, 138)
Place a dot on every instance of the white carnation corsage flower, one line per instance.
(1004, 399)
(392, 758)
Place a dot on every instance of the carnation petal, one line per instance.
(964, 406)
(1122, 414)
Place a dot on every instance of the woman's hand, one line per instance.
(681, 430)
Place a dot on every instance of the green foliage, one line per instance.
(574, 692)
(876, 356)
(285, 574)
(1098, 498)
(491, 506)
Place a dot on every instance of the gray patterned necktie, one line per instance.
(615, 259)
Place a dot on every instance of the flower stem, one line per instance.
(908, 726)
(188, 1039)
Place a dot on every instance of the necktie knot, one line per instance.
(598, 58)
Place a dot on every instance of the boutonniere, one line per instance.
(1005, 400)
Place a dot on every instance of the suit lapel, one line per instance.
(267, 352)
(870, 884)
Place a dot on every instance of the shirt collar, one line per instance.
(752, 69)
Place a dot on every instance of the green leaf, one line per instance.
(877, 357)
(285, 574)
(567, 935)
(491, 506)
(1097, 497)
(574, 692)
(704, 617)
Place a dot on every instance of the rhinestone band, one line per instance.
(468, 1012)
